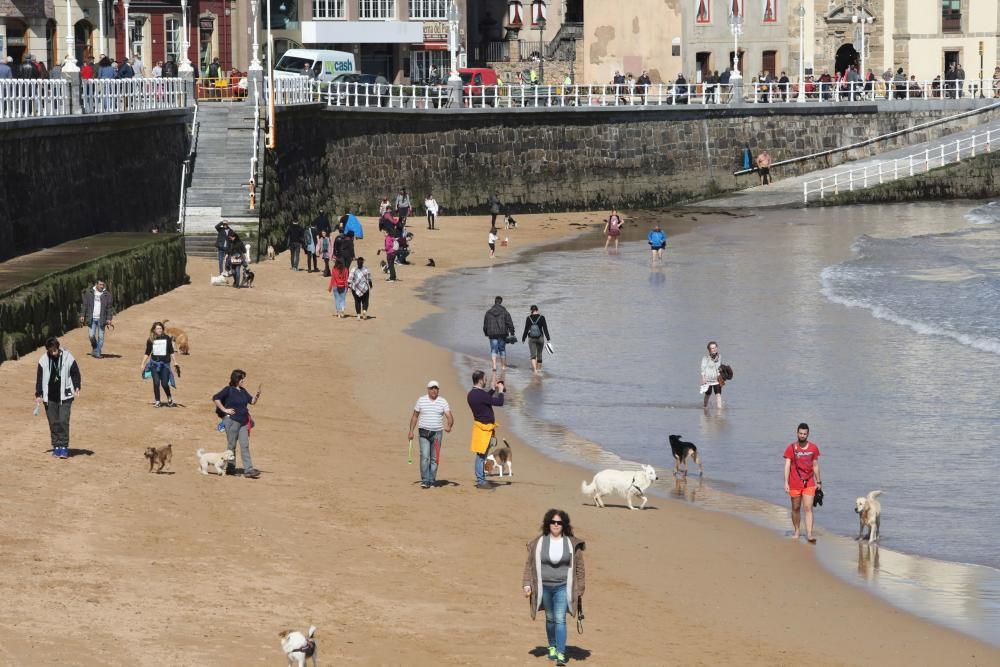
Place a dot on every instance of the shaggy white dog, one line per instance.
(626, 483)
(298, 647)
(869, 513)
(216, 459)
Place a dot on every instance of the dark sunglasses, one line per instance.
(556, 522)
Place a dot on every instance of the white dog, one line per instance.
(869, 513)
(216, 459)
(623, 482)
(220, 280)
(298, 647)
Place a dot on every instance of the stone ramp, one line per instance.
(787, 192)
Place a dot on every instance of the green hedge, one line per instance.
(50, 305)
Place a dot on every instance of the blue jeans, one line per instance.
(236, 274)
(96, 335)
(480, 468)
(222, 260)
(554, 602)
(161, 377)
(339, 300)
(498, 347)
(430, 452)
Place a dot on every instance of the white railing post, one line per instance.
(895, 169)
(927, 160)
(972, 145)
(836, 185)
(866, 176)
(805, 193)
(958, 151)
(942, 155)
(880, 173)
(850, 180)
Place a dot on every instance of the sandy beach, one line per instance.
(107, 564)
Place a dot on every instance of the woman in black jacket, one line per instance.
(236, 256)
(536, 332)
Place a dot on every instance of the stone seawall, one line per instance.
(49, 304)
(978, 178)
(68, 177)
(553, 159)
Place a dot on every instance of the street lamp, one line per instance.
(128, 35)
(862, 18)
(539, 14)
(70, 63)
(185, 65)
(454, 80)
(736, 27)
(802, 54)
(100, 26)
(255, 60)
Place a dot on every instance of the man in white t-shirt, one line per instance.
(432, 417)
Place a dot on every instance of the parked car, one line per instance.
(373, 89)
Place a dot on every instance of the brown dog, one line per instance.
(160, 455)
(180, 338)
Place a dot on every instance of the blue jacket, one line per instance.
(657, 239)
(5, 71)
(107, 72)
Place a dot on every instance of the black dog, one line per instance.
(430, 262)
(248, 277)
(682, 451)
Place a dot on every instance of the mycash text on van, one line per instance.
(316, 64)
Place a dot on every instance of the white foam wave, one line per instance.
(984, 215)
(884, 313)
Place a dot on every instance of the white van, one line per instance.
(315, 63)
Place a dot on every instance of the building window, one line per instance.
(328, 9)
(172, 28)
(421, 63)
(703, 11)
(769, 11)
(378, 9)
(951, 15)
(436, 10)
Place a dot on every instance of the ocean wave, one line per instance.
(831, 274)
(987, 214)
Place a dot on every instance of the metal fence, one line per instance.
(32, 98)
(115, 95)
(891, 170)
(221, 89)
(300, 90)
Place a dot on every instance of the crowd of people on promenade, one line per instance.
(104, 67)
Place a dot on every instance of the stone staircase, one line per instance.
(219, 187)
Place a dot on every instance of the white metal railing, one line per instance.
(32, 98)
(115, 95)
(292, 90)
(185, 166)
(859, 91)
(891, 170)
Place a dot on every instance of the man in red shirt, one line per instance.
(802, 476)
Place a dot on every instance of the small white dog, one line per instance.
(623, 482)
(217, 459)
(298, 647)
(869, 513)
(220, 280)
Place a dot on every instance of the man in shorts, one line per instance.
(802, 477)
(498, 326)
(432, 416)
(657, 242)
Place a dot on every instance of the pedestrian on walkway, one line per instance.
(536, 332)
(160, 361)
(498, 326)
(431, 205)
(491, 241)
(57, 383)
(481, 403)
(613, 228)
(494, 209)
(403, 207)
(236, 255)
(390, 245)
(97, 313)
(232, 404)
(360, 282)
(324, 249)
(338, 286)
(343, 247)
(309, 245)
(221, 234)
(710, 374)
(802, 478)
(432, 418)
(294, 237)
(554, 578)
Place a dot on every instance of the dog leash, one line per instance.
(579, 615)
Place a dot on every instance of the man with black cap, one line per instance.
(432, 417)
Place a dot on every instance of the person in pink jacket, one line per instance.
(390, 245)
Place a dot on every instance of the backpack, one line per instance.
(535, 331)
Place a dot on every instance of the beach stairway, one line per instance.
(220, 178)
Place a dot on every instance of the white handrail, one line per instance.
(182, 205)
(34, 98)
(118, 95)
(961, 149)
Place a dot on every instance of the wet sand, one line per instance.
(107, 564)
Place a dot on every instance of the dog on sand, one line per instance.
(869, 513)
(682, 452)
(500, 455)
(220, 280)
(625, 483)
(270, 252)
(181, 342)
(298, 647)
(159, 455)
(218, 460)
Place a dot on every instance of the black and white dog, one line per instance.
(682, 452)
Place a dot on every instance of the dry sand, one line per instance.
(106, 564)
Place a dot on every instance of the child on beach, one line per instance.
(613, 228)
(492, 240)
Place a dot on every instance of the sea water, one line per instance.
(879, 326)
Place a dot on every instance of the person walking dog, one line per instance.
(97, 312)
(159, 360)
(57, 383)
(432, 417)
(232, 404)
(484, 423)
(554, 578)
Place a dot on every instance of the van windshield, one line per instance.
(294, 64)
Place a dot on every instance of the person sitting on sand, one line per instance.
(554, 578)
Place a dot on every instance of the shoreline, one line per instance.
(337, 532)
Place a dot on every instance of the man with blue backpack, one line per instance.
(657, 242)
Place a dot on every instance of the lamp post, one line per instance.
(100, 26)
(538, 18)
(128, 35)
(70, 63)
(862, 18)
(255, 47)
(736, 27)
(454, 80)
(185, 65)
(802, 54)
(981, 69)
